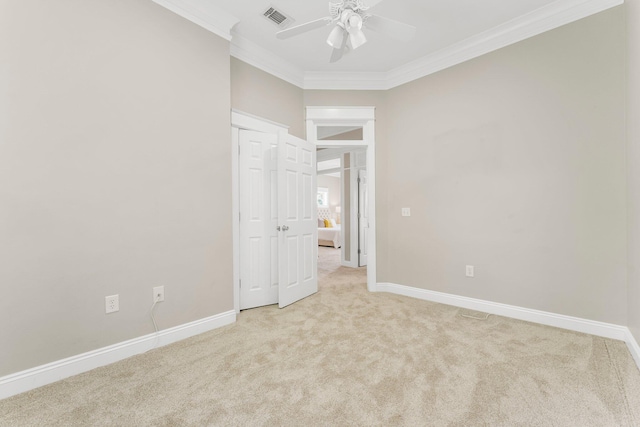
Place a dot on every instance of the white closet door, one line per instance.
(258, 219)
(297, 212)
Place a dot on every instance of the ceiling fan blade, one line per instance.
(372, 3)
(393, 29)
(303, 28)
(337, 54)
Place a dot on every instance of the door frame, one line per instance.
(361, 238)
(244, 121)
(352, 116)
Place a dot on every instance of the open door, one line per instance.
(363, 218)
(258, 219)
(297, 220)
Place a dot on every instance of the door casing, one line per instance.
(357, 117)
(363, 218)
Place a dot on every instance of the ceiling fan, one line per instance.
(349, 18)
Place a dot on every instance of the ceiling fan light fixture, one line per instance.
(336, 38)
(355, 22)
(349, 18)
(357, 39)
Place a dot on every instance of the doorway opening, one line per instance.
(359, 120)
(346, 136)
(342, 214)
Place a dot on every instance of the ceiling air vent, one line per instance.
(278, 17)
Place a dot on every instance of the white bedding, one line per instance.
(330, 235)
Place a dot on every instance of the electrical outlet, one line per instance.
(158, 294)
(406, 211)
(111, 304)
(470, 271)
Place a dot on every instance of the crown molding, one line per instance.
(546, 18)
(532, 24)
(346, 80)
(267, 61)
(204, 14)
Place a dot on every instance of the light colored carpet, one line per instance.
(349, 357)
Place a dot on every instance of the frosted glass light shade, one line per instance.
(357, 39)
(336, 38)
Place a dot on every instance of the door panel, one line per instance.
(292, 260)
(291, 195)
(274, 264)
(298, 218)
(308, 256)
(258, 219)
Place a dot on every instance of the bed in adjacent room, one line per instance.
(328, 236)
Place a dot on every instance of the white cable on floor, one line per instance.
(155, 326)
(476, 318)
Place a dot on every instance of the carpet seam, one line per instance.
(620, 384)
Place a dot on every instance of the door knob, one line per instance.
(278, 228)
(285, 227)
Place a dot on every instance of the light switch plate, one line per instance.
(406, 211)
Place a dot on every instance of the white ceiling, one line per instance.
(439, 24)
(448, 32)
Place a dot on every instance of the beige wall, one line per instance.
(633, 140)
(259, 93)
(115, 173)
(515, 163)
(378, 99)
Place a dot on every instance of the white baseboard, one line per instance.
(39, 376)
(606, 330)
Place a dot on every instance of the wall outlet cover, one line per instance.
(158, 294)
(111, 304)
(470, 271)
